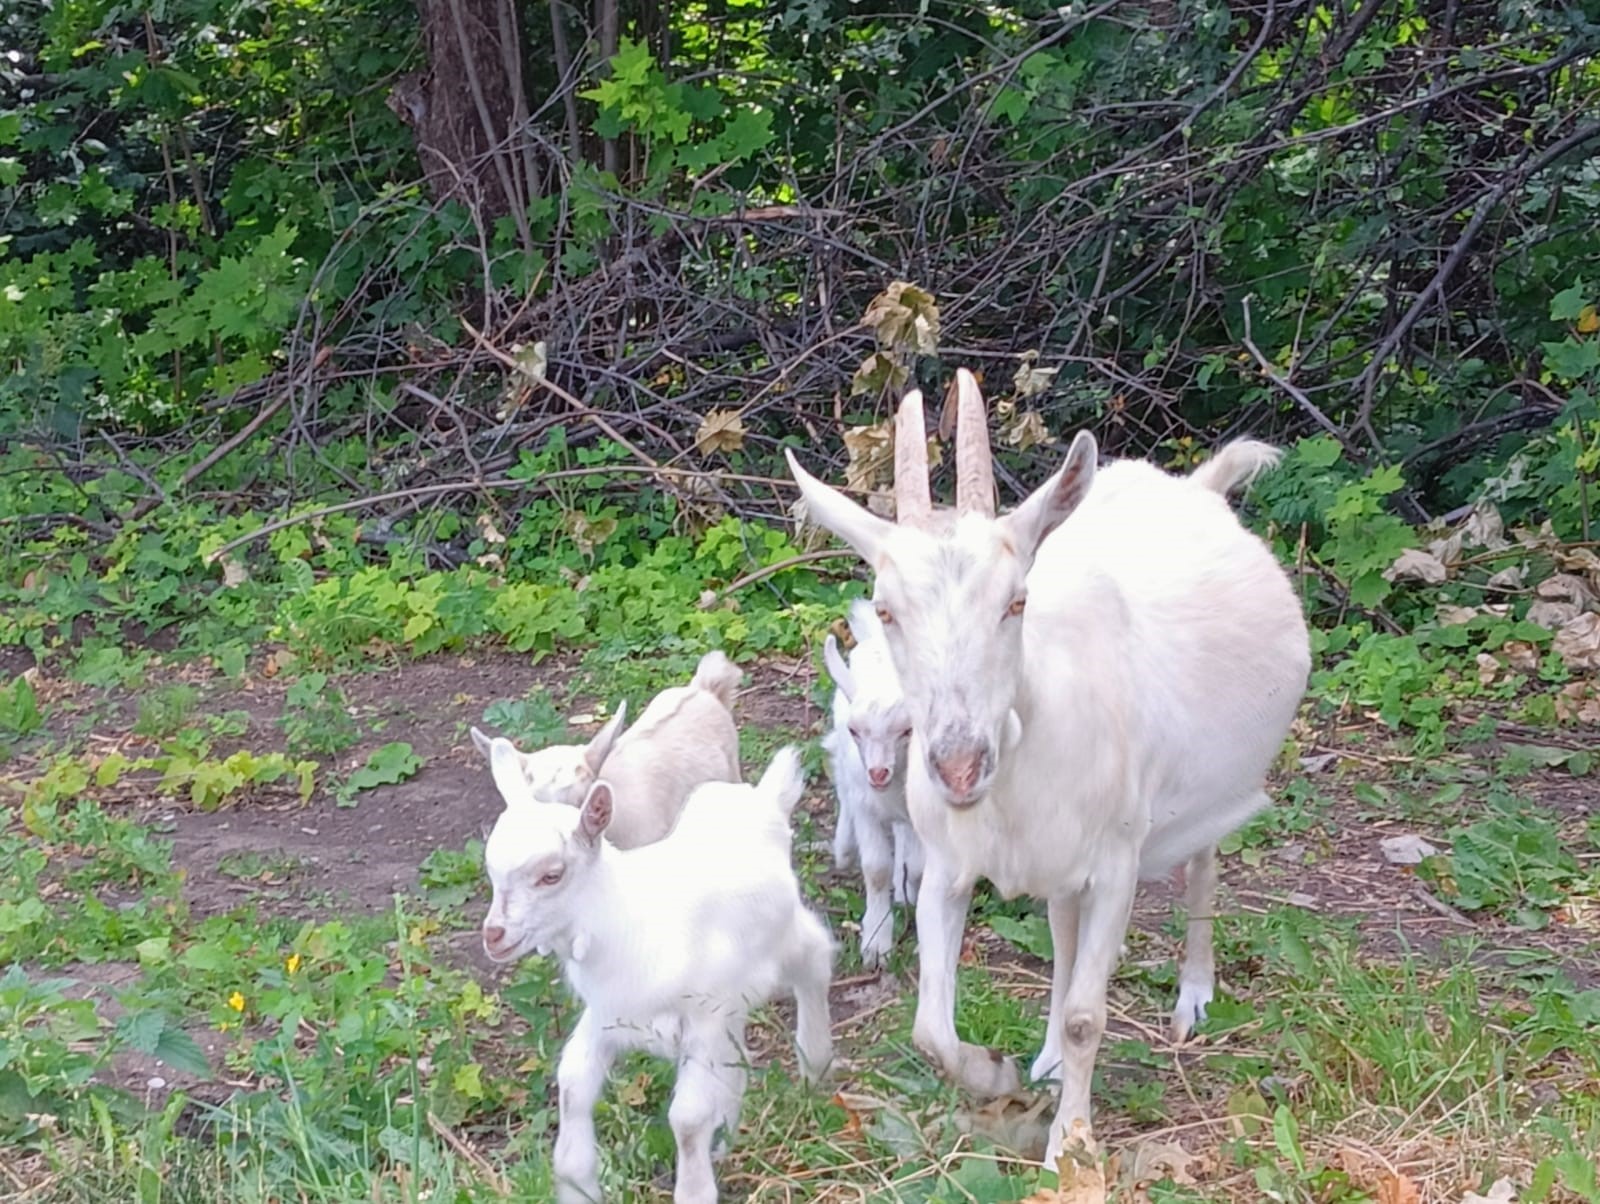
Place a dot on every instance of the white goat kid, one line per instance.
(1094, 700)
(668, 946)
(686, 736)
(866, 750)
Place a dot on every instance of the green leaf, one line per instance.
(180, 1051)
(748, 132)
(1319, 451)
(1567, 305)
(468, 1080)
(1031, 934)
(1572, 358)
(1369, 589)
(394, 762)
(1286, 1136)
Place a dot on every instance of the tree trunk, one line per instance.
(468, 109)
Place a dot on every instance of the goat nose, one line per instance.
(878, 777)
(959, 771)
(493, 936)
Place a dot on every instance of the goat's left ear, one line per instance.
(505, 762)
(596, 815)
(832, 511)
(601, 744)
(1047, 507)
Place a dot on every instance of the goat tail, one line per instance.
(1235, 465)
(785, 779)
(864, 622)
(717, 676)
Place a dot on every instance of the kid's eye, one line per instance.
(551, 877)
(1018, 605)
(884, 616)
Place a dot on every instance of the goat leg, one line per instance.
(941, 917)
(705, 1102)
(581, 1076)
(1197, 972)
(1064, 942)
(1105, 907)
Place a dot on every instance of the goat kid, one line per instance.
(1099, 681)
(669, 947)
(866, 750)
(686, 736)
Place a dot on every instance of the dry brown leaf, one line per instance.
(1521, 656)
(1398, 1189)
(1567, 587)
(1484, 528)
(1409, 849)
(1588, 320)
(589, 533)
(1155, 1160)
(1451, 616)
(1080, 1171)
(871, 452)
(1416, 565)
(904, 318)
(1508, 578)
(719, 431)
(1030, 380)
(234, 574)
(1577, 643)
(1552, 616)
(487, 529)
(1503, 1191)
(1027, 431)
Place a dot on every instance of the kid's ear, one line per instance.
(596, 815)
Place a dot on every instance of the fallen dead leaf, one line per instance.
(1153, 1160)
(1398, 1189)
(1409, 849)
(871, 452)
(1552, 616)
(486, 528)
(1081, 1174)
(1030, 380)
(1503, 1191)
(719, 430)
(1577, 643)
(1416, 565)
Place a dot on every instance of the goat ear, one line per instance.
(1047, 507)
(837, 669)
(596, 815)
(832, 511)
(505, 762)
(483, 744)
(599, 748)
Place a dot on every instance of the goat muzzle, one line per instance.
(961, 772)
(878, 778)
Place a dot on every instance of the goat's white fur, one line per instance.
(669, 947)
(868, 740)
(1095, 699)
(686, 736)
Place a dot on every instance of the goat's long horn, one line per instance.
(913, 501)
(974, 462)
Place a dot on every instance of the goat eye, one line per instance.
(884, 616)
(1018, 605)
(551, 877)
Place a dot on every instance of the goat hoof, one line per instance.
(1046, 1067)
(1190, 1011)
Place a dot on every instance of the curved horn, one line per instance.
(974, 462)
(913, 502)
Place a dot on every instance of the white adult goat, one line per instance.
(1094, 699)
(866, 750)
(686, 736)
(668, 946)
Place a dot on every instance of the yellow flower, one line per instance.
(236, 1001)
(292, 962)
